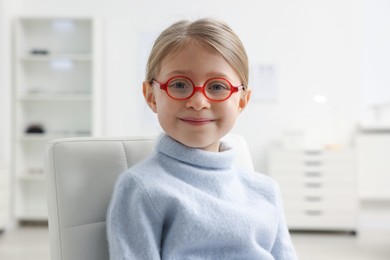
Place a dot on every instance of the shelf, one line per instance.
(53, 57)
(39, 217)
(50, 136)
(31, 177)
(56, 97)
(33, 215)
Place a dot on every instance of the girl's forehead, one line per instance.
(191, 52)
(195, 47)
(196, 60)
(198, 65)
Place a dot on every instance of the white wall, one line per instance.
(6, 9)
(3, 94)
(376, 60)
(315, 46)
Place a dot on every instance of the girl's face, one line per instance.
(196, 122)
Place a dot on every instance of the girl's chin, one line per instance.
(212, 146)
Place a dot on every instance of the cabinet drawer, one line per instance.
(309, 186)
(329, 198)
(315, 175)
(340, 192)
(282, 160)
(334, 171)
(319, 202)
(322, 220)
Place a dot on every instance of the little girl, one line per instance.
(187, 201)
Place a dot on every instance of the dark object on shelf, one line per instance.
(35, 129)
(39, 52)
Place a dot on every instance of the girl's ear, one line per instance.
(244, 100)
(148, 91)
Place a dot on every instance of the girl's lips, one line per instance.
(197, 121)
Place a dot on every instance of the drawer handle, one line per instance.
(313, 163)
(313, 198)
(313, 152)
(313, 212)
(313, 185)
(313, 174)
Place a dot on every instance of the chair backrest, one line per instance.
(80, 176)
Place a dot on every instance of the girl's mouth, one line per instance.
(197, 121)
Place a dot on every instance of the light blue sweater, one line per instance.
(186, 203)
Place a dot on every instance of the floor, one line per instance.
(32, 243)
(367, 245)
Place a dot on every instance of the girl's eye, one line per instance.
(179, 85)
(218, 86)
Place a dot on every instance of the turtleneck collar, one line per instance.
(195, 156)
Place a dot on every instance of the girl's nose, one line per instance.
(198, 101)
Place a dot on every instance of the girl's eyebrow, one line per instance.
(217, 74)
(189, 73)
(180, 72)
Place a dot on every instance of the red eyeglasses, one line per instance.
(214, 89)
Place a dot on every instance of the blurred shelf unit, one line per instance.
(4, 195)
(319, 188)
(57, 93)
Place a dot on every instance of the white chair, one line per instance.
(80, 176)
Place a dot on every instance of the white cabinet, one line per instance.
(373, 150)
(4, 195)
(319, 188)
(56, 94)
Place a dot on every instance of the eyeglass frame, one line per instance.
(233, 89)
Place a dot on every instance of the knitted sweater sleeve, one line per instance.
(133, 224)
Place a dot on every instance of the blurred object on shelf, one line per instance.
(37, 51)
(35, 170)
(35, 129)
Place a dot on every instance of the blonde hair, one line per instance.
(212, 34)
